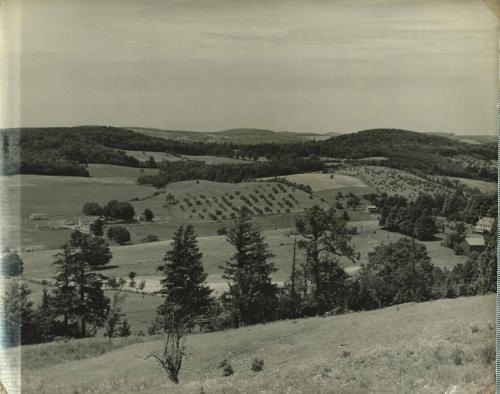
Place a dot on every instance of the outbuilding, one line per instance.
(473, 244)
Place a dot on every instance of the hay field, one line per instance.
(320, 181)
(483, 186)
(144, 258)
(392, 181)
(160, 156)
(60, 197)
(432, 347)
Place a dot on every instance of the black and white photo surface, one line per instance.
(225, 196)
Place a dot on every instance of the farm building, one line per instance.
(473, 244)
(484, 225)
(372, 209)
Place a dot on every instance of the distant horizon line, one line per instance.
(471, 133)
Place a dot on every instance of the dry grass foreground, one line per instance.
(434, 347)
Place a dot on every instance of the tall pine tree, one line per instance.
(325, 238)
(186, 294)
(79, 294)
(252, 295)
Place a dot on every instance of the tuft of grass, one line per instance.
(257, 365)
(487, 354)
(458, 356)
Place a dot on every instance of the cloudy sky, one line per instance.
(207, 65)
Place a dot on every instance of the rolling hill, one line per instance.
(237, 136)
(433, 347)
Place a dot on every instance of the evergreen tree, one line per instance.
(97, 228)
(94, 251)
(186, 294)
(124, 329)
(65, 295)
(79, 294)
(45, 317)
(425, 227)
(252, 295)
(325, 238)
(391, 222)
(487, 265)
(19, 318)
(148, 215)
(398, 272)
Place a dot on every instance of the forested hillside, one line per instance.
(412, 151)
(66, 150)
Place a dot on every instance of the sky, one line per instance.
(207, 65)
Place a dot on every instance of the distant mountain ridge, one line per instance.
(238, 135)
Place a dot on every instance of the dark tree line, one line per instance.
(190, 170)
(66, 150)
(76, 307)
(416, 218)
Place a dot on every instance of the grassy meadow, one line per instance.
(320, 181)
(160, 156)
(432, 347)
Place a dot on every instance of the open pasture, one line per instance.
(392, 180)
(144, 258)
(160, 156)
(483, 186)
(60, 197)
(427, 347)
(320, 181)
(107, 173)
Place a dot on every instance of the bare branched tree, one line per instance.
(175, 326)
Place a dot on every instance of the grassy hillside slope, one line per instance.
(412, 348)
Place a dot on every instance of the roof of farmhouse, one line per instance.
(475, 241)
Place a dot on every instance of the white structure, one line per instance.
(484, 225)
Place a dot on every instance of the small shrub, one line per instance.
(150, 238)
(474, 328)
(227, 369)
(257, 365)
(487, 354)
(458, 356)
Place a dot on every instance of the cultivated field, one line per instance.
(205, 201)
(392, 181)
(432, 347)
(485, 187)
(320, 181)
(160, 156)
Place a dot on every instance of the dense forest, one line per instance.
(408, 150)
(175, 171)
(66, 150)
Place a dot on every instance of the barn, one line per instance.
(473, 244)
